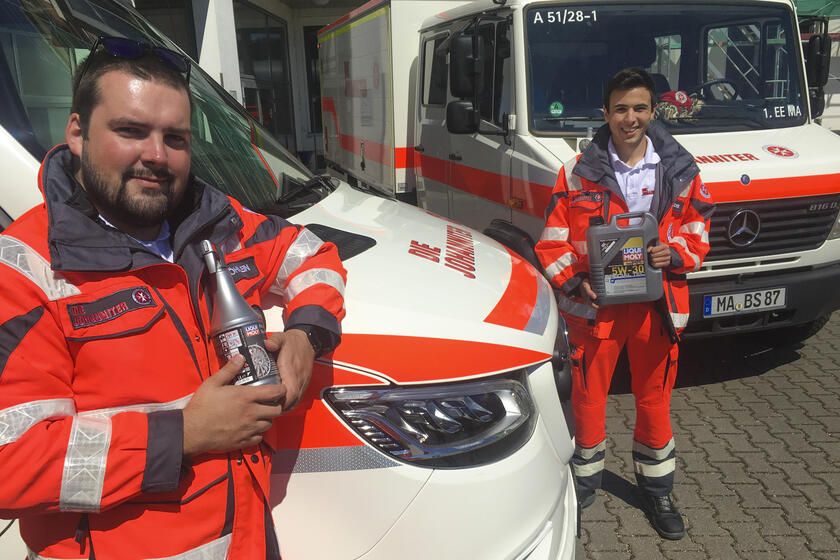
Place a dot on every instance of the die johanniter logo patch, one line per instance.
(110, 307)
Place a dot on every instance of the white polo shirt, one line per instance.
(637, 183)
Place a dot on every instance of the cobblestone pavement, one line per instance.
(757, 429)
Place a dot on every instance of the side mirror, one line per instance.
(818, 60)
(466, 65)
(462, 118)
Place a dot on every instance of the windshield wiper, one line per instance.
(296, 188)
(556, 119)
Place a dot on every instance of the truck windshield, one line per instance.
(717, 67)
(43, 41)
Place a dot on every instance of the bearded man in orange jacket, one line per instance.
(631, 165)
(120, 434)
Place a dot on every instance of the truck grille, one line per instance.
(786, 225)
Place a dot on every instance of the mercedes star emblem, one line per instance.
(743, 228)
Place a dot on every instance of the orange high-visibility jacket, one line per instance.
(586, 188)
(102, 343)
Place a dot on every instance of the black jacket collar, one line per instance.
(79, 241)
(677, 165)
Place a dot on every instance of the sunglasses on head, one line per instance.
(131, 49)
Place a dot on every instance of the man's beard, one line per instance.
(149, 207)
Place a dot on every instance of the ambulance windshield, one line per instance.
(42, 42)
(717, 67)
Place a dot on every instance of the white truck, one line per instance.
(475, 123)
(441, 427)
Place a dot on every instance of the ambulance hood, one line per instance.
(418, 282)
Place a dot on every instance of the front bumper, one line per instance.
(811, 292)
(520, 507)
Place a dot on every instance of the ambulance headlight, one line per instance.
(446, 425)
(835, 231)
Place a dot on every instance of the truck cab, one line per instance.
(510, 91)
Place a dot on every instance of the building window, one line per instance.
(263, 46)
(174, 18)
(313, 77)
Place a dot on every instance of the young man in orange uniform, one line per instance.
(120, 433)
(631, 165)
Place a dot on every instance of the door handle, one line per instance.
(419, 148)
(455, 156)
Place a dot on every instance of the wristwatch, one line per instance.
(320, 338)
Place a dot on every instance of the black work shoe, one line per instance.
(664, 517)
(586, 497)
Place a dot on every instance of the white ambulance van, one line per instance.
(475, 119)
(441, 426)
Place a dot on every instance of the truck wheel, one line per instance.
(798, 333)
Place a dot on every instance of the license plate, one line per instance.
(732, 304)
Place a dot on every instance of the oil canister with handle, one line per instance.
(619, 271)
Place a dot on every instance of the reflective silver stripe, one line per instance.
(587, 453)
(695, 258)
(84, 464)
(16, 420)
(560, 264)
(687, 190)
(588, 469)
(581, 247)
(697, 228)
(680, 320)
(214, 550)
(542, 308)
(656, 470)
(145, 408)
(653, 453)
(313, 277)
(572, 180)
(87, 453)
(28, 262)
(305, 245)
(331, 459)
(555, 234)
(574, 308)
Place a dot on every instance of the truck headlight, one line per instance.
(835, 230)
(446, 425)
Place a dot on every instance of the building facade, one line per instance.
(263, 52)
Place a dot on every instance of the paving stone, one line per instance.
(778, 453)
(710, 485)
(603, 536)
(832, 515)
(694, 461)
(753, 496)
(758, 459)
(798, 473)
(600, 555)
(729, 510)
(757, 463)
(832, 480)
(722, 426)
(748, 537)
(777, 485)
(774, 522)
(702, 522)
(720, 548)
(819, 537)
(797, 509)
(761, 435)
(719, 452)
